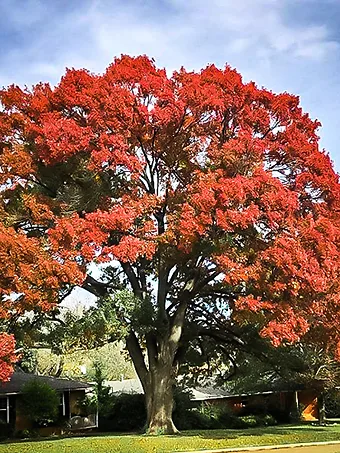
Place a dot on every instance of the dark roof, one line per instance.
(19, 379)
(196, 394)
(209, 393)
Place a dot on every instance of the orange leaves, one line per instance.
(253, 304)
(75, 88)
(15, 164)
(29, 277)
(289, 326)
(131, 248)
(124, 232)
(7, 356)
(39, 208)
(112, 152)
(235, 268)
(63, 138)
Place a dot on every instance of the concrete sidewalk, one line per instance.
(312, 447)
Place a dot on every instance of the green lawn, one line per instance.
(191, 440)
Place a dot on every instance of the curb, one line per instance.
(264, 447)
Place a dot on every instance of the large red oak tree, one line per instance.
(209, 195)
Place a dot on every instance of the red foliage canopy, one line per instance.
(7, 356)
(195, 178)
(30, 279)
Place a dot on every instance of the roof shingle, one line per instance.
(19, 379)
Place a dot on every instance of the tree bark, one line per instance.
(159, 401)
(157, 380)
(322, 409)
(60, 366)
(158, 377)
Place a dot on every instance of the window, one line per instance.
(4, 409)
(62, 408)
(244, 401)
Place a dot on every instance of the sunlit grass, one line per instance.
(190, 440)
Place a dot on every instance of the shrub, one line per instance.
(40, 402)
(129, 412)
(332, 403)
(182, 414)
(125, 412)
(252, 421)
(269, 420)
(199, 420)
(26, 434)
(219, 416)
(228, 419)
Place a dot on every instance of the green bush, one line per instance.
(332, 403)
(27, 434)
(182, 414)
(40, 402)
(252, 421)
(199, 420)
(125, 412)
(212, 411)
(217, 416)
(261, 409)
(229, 420)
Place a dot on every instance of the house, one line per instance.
(301, 399)
(70, 393)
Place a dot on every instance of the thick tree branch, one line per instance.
(133, 279)
(137, 357)
(96, 287)
(152, 349)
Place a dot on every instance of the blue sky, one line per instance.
(284, 45)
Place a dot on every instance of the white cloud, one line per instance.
(256, 37)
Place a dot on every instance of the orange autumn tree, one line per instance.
(30, 280)
(209, 197)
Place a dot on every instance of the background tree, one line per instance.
(208, 196)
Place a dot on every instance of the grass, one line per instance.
(190, 440)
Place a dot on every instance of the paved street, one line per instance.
(317, 449)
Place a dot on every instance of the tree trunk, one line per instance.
(158, 380)
(60, 366)
(158, 377)
(322, 409)
(159, 401)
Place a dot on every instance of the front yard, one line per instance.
(190, 440)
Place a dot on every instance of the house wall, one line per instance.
(280, 402)
(22, 422)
